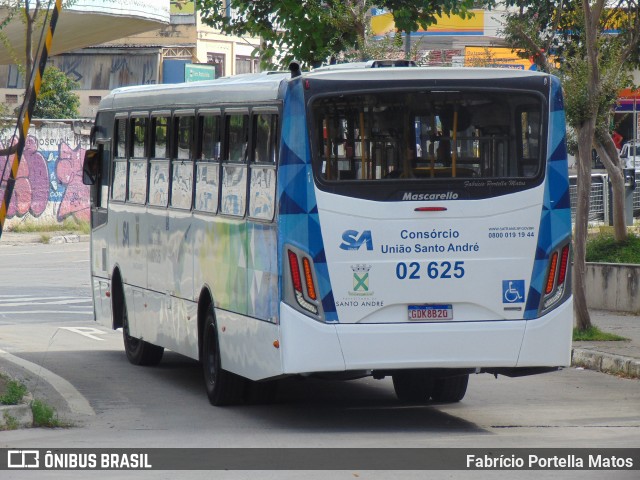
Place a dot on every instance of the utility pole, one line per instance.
(24, 120)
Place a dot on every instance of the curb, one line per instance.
(31, 238)
(64, 239)
(20, 415)
(605, 362)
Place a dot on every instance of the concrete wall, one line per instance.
(613, 287)
(48, 187)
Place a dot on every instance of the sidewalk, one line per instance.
(618, 358)
(10, 238)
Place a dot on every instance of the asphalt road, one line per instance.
(81, 369)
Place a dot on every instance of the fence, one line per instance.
(600, 199)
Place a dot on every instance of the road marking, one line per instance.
(77, 402)
(37, 305)
(88, 332)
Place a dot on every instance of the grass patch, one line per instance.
(14, 391)
(45, 238)
(44, 415)
(68, 225)
(10, 422)
(603, 248)
(594, 334)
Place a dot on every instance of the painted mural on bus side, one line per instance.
(48, 188)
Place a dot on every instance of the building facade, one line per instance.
(157, 56)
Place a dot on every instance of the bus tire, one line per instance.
(413, 386)
(138, 351)
(223, 387)
(450, 389)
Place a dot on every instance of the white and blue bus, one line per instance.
(351, 221)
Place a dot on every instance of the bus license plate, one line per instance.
(430, 312)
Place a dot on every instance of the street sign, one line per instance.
(194, 72)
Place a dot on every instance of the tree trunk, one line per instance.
(585, 139)
(609, 155)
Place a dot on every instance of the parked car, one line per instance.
(630, 154)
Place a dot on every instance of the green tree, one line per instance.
(56, 99)
(312, 31)
(574, 40)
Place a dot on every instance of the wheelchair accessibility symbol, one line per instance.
(513, 291)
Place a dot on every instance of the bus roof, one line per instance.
(262, 87)
(420, 73)
(266, 86)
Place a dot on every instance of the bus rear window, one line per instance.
(428, 136)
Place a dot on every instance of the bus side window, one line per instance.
(208, 165)
(262, 186)
(234, 170)
(119, 176)
(182, 165)
(103, 186)
(159, 175)
(138, 160)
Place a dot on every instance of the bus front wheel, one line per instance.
(138, 351)
(223, 387)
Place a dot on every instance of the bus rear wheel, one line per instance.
(450, 389)
(138, 351)
(413, 386)
(223, 387)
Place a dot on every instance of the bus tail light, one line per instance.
(302, 283)
(564, 265)
(308, 277)
(551, 277)
(557, 281)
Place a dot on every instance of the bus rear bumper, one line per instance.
(308, 346)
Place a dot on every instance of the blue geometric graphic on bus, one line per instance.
(298, 210)
(513, 291)
(555, 220)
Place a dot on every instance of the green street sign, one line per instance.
(195, 72)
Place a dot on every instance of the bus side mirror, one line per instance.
(91, 167)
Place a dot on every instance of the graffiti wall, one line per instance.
(48, 188)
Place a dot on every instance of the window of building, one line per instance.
(218, 61)
(246, 64)
(15, 79)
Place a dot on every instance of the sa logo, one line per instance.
(353, 240)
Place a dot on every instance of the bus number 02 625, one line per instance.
(415, 271)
